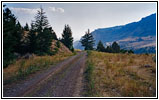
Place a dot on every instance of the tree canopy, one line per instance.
(87, 41)
(42, 34)
(19, 41)
(67, 38)
(12, 35)
(100, 47)
(115, 47)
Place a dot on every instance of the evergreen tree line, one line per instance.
(114, 48)
(88, 42)
(37, 39)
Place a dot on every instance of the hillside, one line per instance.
(59, 47)
(136, 35)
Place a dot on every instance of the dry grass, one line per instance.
(123, 75)
(24, 67)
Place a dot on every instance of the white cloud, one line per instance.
(54, 9)
(34, 11)
(24, 10)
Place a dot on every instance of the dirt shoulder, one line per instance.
(58, 81)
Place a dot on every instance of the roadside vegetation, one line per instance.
(22, 68)
(120, 75)
(90, 90)
(37, 39)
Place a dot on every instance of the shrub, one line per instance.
(58, 44)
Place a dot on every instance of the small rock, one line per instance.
(147, 66)
(17, 55)
(27, 56)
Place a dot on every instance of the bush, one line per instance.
(58, 44)
(88, 52)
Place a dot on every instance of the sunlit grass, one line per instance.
(24, 67)
(123, 74)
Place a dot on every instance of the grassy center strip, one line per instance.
(90, 85)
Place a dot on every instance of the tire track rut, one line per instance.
(62, 80)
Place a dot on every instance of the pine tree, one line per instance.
(41, 21)
(115, 47)
(53, 34)
(100, 47)
(43, 31)
(109, 49)
(130, 51)
(87, 41)
(31, 40)
(44, 41)
(26, 27)
(12, 34)
(67, 38)
(19, 34)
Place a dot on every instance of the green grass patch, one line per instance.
(90, 85)
(89, 78)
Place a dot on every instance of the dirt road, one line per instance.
(62, 80)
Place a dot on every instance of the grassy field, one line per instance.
(24, 67)
(120, 75)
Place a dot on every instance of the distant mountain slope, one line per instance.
(136, 33)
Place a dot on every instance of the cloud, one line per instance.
(24, 10)
(33, 11)
(54, 9)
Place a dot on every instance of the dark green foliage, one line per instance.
(41, 21)
(115, 47)
(123, 51)
(72, 49)
(53, 34)
(26, 27)
(19, 34)
(109, 49)
(130, 51)
(126, 51)
(18, 40)
(11, 36)
(100, 47)
(44, 41)
(87, 41)
(56, 50)
(58, 44)
(41, 35)
(32, 41)
(67, 38)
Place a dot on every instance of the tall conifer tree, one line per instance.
(87, 41)
(12, 35)
(100, 46)
(67, 38)
(115, 47)
(43, 33)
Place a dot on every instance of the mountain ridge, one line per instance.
(146, 27)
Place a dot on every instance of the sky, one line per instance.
(83, 16)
